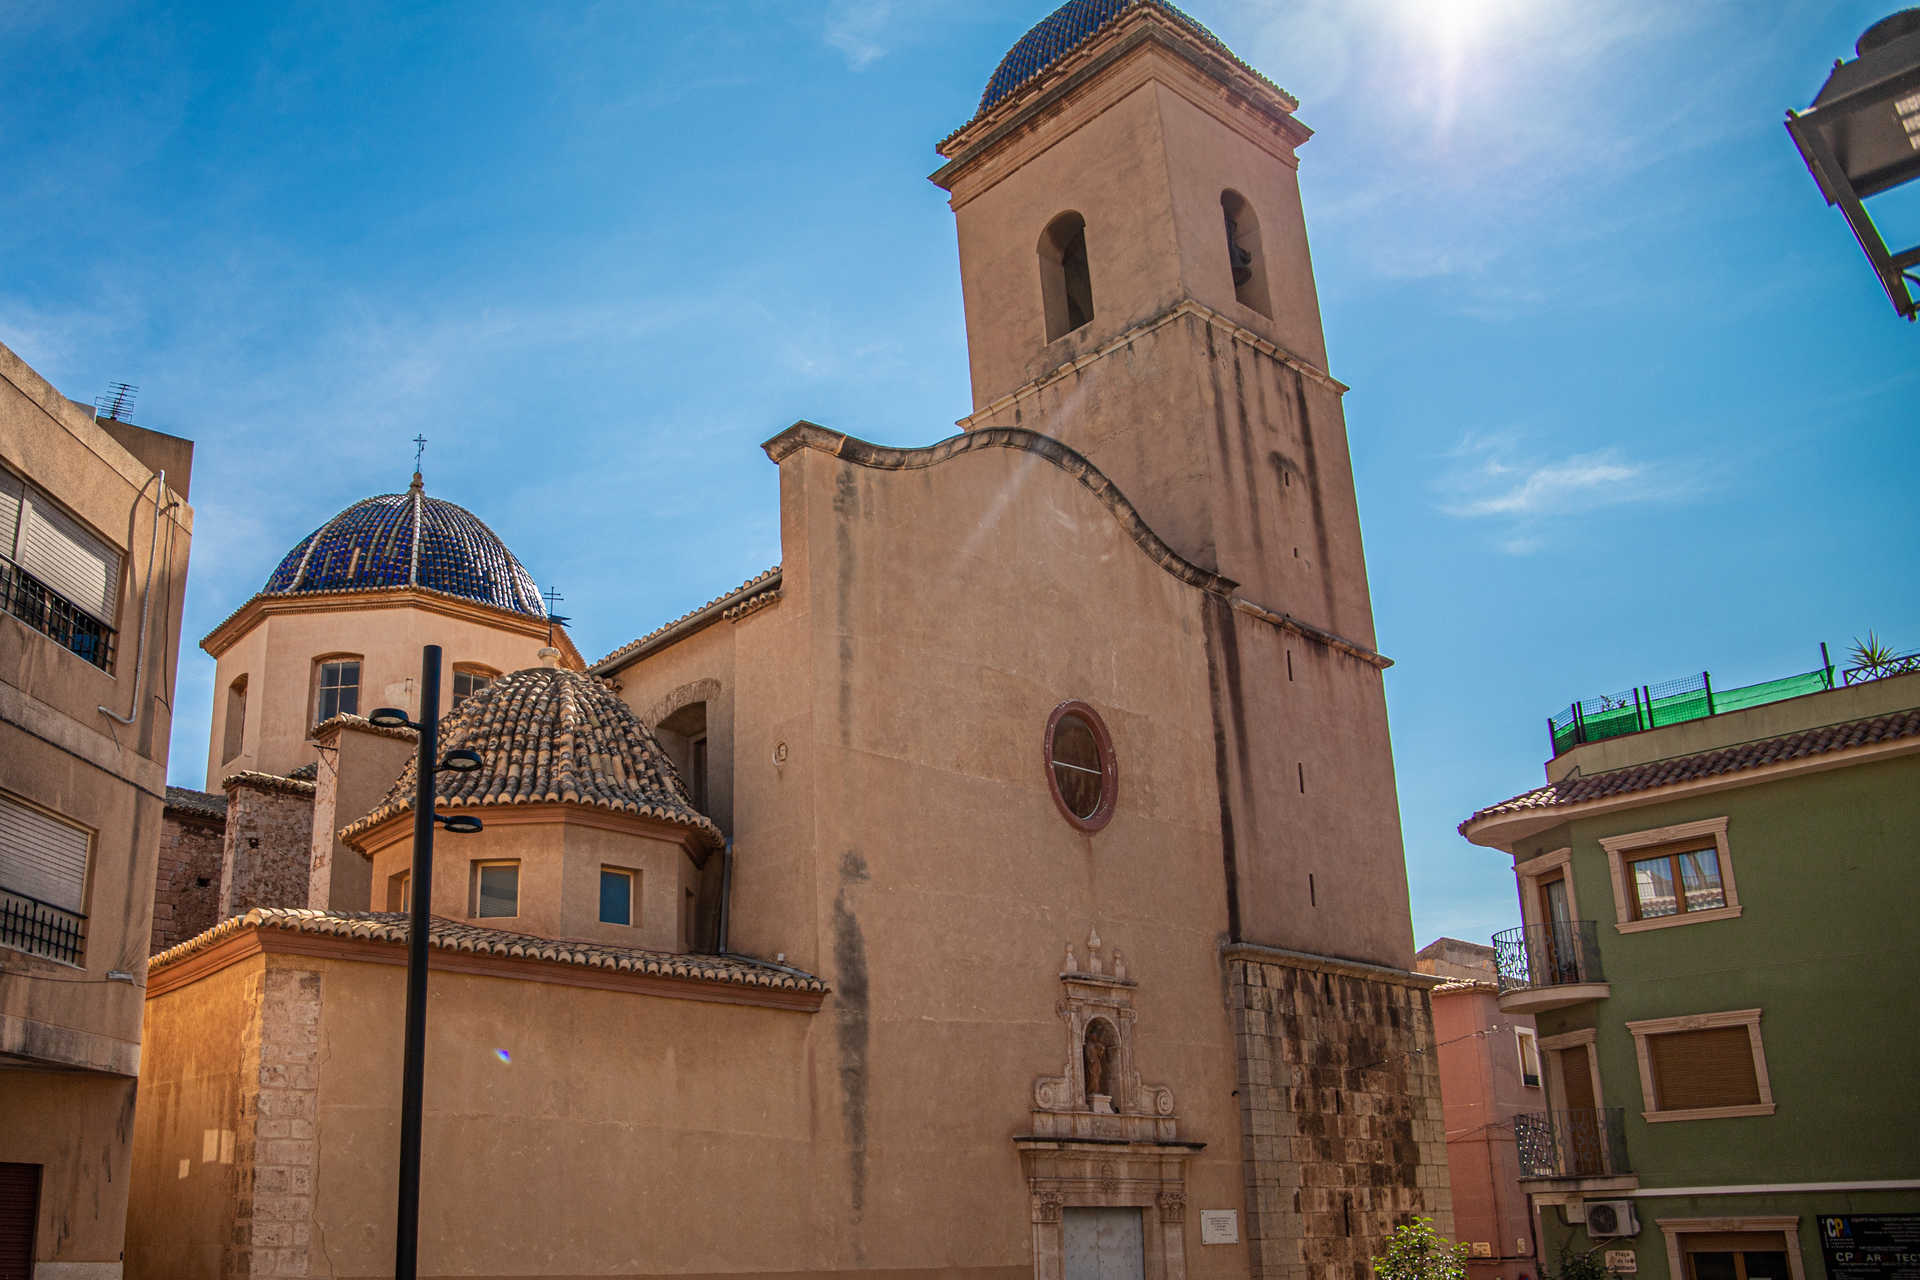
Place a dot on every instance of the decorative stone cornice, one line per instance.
(255, 781)
(265, 604)
(1339, 966)
(879, 457)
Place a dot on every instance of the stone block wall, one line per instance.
(186, 898)
(275, 1147)
(1340, 1111)
(269, 843)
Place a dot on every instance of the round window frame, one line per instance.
(1109, 767)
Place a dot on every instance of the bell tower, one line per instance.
(1137, 283)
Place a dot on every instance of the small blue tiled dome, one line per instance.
(408, 539)
(1063, 31)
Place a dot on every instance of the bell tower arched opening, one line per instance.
(1244, 259)
(1066, 282)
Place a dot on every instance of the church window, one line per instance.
(1243, 252)
(1066, 284)
(235, 734)
(336, 688)
(617, 886)
(1080, 765)
(684, 735)
(469, 680)
(398, 887)
(496, 889)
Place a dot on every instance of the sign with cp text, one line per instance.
(1622, 1262)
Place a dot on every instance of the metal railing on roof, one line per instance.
(1649, 706)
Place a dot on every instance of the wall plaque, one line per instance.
(1219, 1226)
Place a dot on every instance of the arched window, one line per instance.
(235, 735)
(1243, 252)
(684, 735)
(1066, 287)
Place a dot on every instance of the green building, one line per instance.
(1720, 949)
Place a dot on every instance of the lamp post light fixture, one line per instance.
(1861, 137)
(420, 907)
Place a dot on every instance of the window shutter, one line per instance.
(42, 857)
(19, 1213)
(1710, 1068)
(10, 489)
(67, 558)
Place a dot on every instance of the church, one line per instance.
(1007, 885)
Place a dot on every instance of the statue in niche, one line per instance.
(1098, 1059)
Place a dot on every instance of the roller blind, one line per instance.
(54, 548)
(1710, 1068)
(10, 489)
(42, 856)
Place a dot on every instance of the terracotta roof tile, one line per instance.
(450, 935)
(204, 804)
(267, 782)
(1709, 764)
(720, 604)
(551, 736)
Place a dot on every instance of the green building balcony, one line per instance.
(1580, 1144)
(1549, 966)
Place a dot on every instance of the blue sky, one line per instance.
(1627, 402)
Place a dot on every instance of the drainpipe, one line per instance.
(146, 598)
(726, 897)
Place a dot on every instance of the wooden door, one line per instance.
(1580, 1130)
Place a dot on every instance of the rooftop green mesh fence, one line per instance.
(1690, 698)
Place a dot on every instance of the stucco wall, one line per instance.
(277, 655)
(1481, 1091)
(71, 1033)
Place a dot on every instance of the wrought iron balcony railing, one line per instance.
(41, 928)
(1559, 954)
(1572, 1144)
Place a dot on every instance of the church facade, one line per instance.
(1007, 884)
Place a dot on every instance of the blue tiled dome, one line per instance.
(408, 539)
(1063, 31)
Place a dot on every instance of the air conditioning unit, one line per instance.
(1608, 1218)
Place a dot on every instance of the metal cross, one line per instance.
(419, 448)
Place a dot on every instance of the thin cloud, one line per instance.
(1585, 480)
(855, 27)
(1522, 498)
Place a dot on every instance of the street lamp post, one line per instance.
(1861, 137)
(420, 907)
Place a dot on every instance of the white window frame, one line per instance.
(1648, 1027)
(1522, 1037)
(633, 896)
(1620, 850)
(473, 902)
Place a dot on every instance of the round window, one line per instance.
(1080, 767)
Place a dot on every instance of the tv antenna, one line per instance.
(116, 401)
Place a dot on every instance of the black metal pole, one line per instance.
(420, 901)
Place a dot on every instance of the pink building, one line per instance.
(1489, 1071)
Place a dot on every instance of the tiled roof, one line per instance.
(408, 539)
(449, 935)
(308, 772)
(757, 585)
(268, 782)
(365, 725)
(1708, 764)
(550, 736)
(204, 804)
(1073, 24)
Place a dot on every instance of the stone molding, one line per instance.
(705, 689)
(1124, 1109)
(1253, 951)
(46, 1043)
(264, 604)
